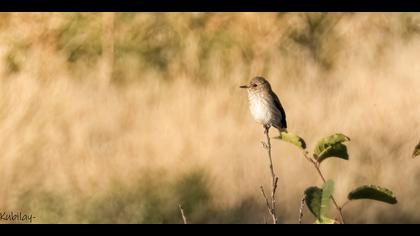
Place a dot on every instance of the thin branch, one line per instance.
(271, 208)
(316, 165)
(184, 219)
(332, 198)
(266, 201)
(302, 205)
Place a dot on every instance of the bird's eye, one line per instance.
(254, 85)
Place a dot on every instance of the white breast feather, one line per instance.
(259, 110)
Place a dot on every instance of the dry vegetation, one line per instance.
(119, 118)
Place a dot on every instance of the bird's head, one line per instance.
(257, 84)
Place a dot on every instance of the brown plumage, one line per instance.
(264, 104)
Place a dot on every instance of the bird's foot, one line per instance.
(266, 129)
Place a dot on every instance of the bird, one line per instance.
(264, 105)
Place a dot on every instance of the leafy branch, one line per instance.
(317, 199)
(317, 167)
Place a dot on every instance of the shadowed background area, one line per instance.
(118, 117)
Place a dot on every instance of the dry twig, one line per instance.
(184, 219)
(271, 207)
(302, 205)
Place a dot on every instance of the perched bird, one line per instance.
(264, 104)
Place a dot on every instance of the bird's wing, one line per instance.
(280, 107)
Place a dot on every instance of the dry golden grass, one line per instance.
(64, 132)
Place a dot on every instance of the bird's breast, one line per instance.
(259, 109)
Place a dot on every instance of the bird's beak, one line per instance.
(243, 86)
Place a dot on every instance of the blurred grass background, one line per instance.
(118, 117)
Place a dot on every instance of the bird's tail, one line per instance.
(282, 130)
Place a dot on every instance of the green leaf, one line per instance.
(318, 200)
(416, 150)
(336, 150)
(332, 146)
(325, 221)
(327, 190)
(374, 193)
(293, 139)
(313, 197)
